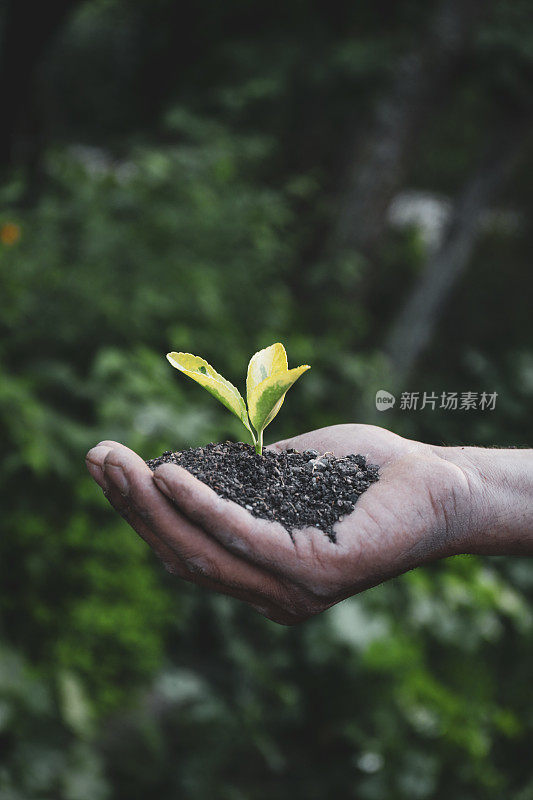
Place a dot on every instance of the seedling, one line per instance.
(267, 382)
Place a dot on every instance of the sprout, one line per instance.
(267, 382)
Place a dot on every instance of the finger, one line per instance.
(95, 464)
(95, 460)
(172, 562)
(378, 445)
(310, 561)
(202, 555)
(258, 540)
(166, 555)
(175, 566)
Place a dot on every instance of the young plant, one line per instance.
(267, 382)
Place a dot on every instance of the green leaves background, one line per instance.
(195, 220)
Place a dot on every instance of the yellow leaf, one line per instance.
(264, 363)
(203, 373)
(267, 382)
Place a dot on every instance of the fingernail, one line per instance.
(97, 454)
(118, 478)
(97, 473)
(161, 483)
(95, 460)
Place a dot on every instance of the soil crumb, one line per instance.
(296, 489)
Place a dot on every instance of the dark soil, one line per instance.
(296, 489)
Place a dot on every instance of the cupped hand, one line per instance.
(418, 511)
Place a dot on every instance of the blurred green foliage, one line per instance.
(186, 231)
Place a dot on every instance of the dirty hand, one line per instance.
(430, 502)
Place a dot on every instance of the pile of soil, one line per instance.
(296, 489)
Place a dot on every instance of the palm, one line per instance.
(404, 515)
(399, 522)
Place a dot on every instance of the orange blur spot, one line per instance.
(9, 233)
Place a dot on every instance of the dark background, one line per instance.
(352, 179)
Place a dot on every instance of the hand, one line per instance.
(418, 511)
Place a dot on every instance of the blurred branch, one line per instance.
(417, 320)
(379, 162)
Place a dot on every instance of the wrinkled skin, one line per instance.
(418, 511)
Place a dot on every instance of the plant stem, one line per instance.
(259, 443)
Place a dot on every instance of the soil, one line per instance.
(296, 489)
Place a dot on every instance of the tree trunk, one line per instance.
(378, 163)
(379, 158)
(418, 319)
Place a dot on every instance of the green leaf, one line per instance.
(203, 373)
(267, 382)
